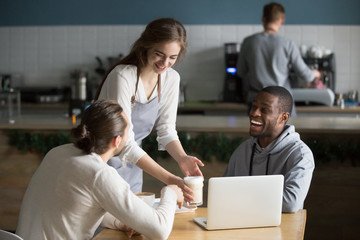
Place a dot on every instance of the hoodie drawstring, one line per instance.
(252, 159)
(267, 165)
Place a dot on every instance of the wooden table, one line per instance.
(292, 227)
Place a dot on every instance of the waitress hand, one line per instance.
(189, 165)
(187, 192)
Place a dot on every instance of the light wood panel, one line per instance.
(292, 227)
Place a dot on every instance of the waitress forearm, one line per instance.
(176, 150)
(147, 164)
(189, 165)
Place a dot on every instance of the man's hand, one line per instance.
(179, 193)
(131, 232)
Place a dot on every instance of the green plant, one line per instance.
(39, 142)
(204, 145)
(326, 151)
(225, 146)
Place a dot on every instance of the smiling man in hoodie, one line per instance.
(275, 147)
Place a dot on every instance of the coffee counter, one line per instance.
(219, 108)
(199, 123)
(206, 108)
(240, 124)
(38, 122)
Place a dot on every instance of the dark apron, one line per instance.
(143, 117)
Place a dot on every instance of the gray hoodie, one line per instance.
(287, 155)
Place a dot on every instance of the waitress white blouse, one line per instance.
(120, 85)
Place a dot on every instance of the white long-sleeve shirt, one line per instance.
(120, 85)
(70, 192)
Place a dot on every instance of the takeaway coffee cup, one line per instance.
(147, 197)
(196, 183)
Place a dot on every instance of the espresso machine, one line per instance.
(326, 66)
(232, 84)
(304, 93)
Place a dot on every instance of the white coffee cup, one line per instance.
(147, 197)
(196, 183)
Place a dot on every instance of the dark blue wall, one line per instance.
(94, 12)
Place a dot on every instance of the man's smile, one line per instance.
(253, 122)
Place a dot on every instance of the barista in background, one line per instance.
(147, 88)
(265, 57)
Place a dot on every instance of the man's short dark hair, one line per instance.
(273, 12)
(285, 98)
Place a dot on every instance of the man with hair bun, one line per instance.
(275, 148)
(74, 191)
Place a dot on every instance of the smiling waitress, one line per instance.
(147, 88)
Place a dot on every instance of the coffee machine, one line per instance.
(325, 65)
(232, 84)
(305, 93)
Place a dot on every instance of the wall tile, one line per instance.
(326, 36)
(243, 31)
(228, 33)
(355, 37)
(309, 35)
(121, 44)
(89, 41)
(43, 53)
(293, 32)
(213, 33)
(134, 33)
(196, 34)
(17, 42)
(354, 82)
(4, 49)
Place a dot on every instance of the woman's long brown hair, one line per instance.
(158, 31)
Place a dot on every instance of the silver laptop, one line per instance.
(243, 202)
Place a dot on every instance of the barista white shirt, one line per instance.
(120, 85)
(70, 192)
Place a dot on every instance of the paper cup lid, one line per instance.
(194, 179)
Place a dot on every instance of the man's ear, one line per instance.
(117, 141)
(282, 20)
(285, 117)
